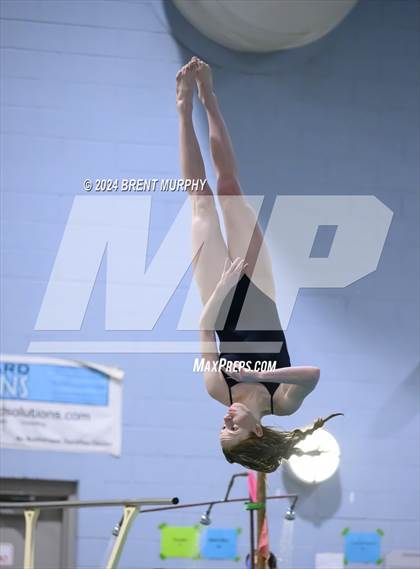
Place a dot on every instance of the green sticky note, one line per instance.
(180, 541)
(345, 531)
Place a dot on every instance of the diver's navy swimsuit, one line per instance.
(259, 313)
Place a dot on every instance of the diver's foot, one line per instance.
(204, 79)
(185, 81)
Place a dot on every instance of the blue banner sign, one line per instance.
(56, 404)
(53, 384)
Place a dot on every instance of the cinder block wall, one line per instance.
(88, 91)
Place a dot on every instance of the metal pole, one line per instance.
(261, 498)
(31, 517)
(252, 538)
(230, 501)
(253, 506)
(130, 513)
(229, 488)
(63, 504)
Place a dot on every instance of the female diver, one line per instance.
(236, 286)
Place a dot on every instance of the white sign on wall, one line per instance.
(329, 561)
(7, 554)
(65, 405)
(403, 559)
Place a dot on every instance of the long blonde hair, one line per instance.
(265, 454)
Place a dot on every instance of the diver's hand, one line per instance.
(232, 272)
(244, 375)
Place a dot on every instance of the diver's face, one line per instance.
(238, 423)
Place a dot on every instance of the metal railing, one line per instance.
(131, 509)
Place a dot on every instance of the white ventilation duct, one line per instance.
(264, 25)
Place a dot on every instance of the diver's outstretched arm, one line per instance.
(296, 375)
(304, 376)
(298, 383)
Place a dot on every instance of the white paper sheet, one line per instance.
(329, 561)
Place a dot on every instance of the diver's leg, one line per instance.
(208, 246)
(244, 235)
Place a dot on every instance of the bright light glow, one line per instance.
(323, 461)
